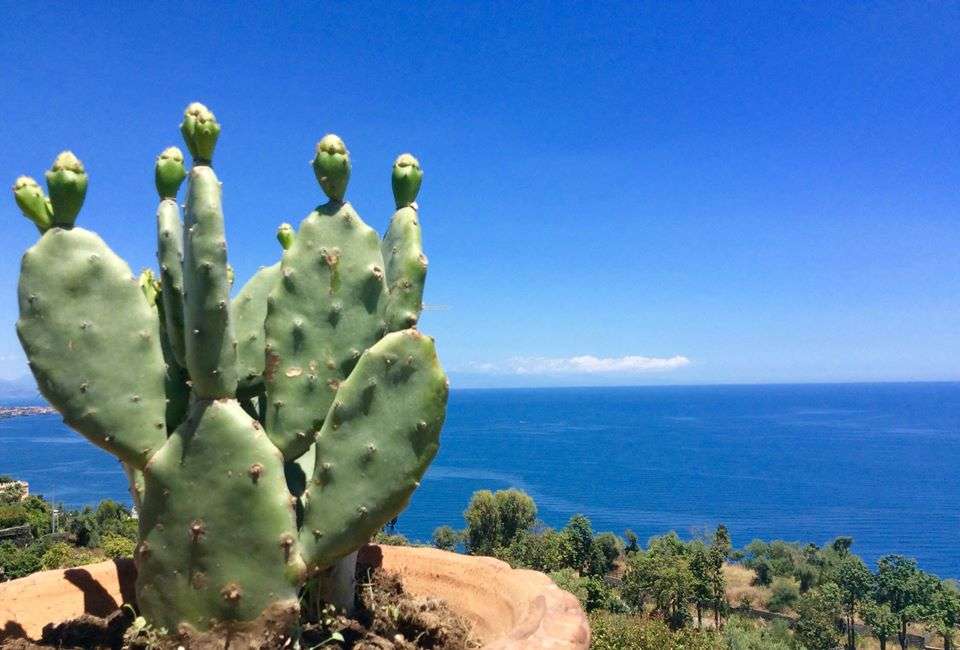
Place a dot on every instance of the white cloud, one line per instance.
(583, 364)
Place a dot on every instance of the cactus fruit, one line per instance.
(256, 460)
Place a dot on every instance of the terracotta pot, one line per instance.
(509, 608)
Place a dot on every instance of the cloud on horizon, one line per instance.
(582, 364)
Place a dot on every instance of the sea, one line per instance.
(877, 462)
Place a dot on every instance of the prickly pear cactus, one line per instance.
(312, 379)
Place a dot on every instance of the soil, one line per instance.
(386, 618)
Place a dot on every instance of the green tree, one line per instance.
(494, 521)
(701, 571)
(483, 524)
(819, 611)
(579, 537)
(632, 545)
(881, 620)
(943, 613)
(906, 589)
(544, 550)
(784, 594)
(720, 548)
(855, 582)
(446, 538)
(611, 547)
(662, 575)
(516, 514)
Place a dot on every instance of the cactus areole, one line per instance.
(267, 437)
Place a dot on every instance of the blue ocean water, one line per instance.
(878, 462)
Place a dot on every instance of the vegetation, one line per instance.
(660, 596)
(81, 537)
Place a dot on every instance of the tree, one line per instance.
(819, 611)
(631, 537)
(516, 511)
(784, 594)
(661, 574)
(855, 581)
(579, 537)
(610, 547)
(943, 613)
(446, 538)
(907, 590)
(701, 571)
(719, 552)
(483, 523)
(494, 521)
(881, 620)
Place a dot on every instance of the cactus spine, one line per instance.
(260, 459)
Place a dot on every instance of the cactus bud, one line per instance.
(149, 286)
(231, 276)
(285, 235)
(331, 165)
(407, 177)
(34, 205)
(200, 131)
(67, 185)
(169, 172)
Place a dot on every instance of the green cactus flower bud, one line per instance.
(285, 235)
(34, 205)
(231, 276)
(407, 177)
(200, 131)
(149, 286)
(331, 165)
(169, 173)
(67, 185)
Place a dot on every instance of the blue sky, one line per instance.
(633, 193)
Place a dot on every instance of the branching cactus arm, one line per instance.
(211, 349)
(324, 312)
(92, 341)
(406, 265)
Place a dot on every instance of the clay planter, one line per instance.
(509, 608)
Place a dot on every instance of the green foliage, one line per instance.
(784, 593)
(631, 538)
(592, 592)
(610, 547)
(819, 611)
(19, 562)
(632, 632)
(904, 588)
(881, 620)
(744, 634)
(496, 520)
(446, 538)
(117, 546)
(579, 536)
(391, 539)
(61, 555)
(662, 576)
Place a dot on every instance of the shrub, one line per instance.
(744, 634)
(446, 538)
(117, 546)
(632, 632)
(63, 556)
(784, 593)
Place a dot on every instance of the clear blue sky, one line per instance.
(742, 193)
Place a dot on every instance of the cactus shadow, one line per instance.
(97, 601)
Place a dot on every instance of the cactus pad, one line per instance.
(219, 541)
(93, 343)
(376, 442)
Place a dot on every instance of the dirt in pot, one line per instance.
(386, 618)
